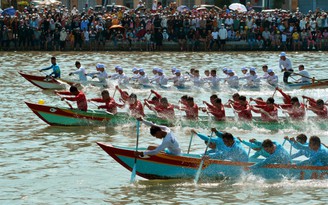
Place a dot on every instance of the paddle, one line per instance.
(192, 135)
(202, 161)
(69, 104)
(134, 170)
(274, 92)
(114, 92)
(98, 108)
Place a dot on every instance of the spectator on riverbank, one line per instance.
(38, 28)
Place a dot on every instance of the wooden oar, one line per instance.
(284, 142)
(202, 161)
(274, 93)
(313, 78)
(192, 135)
(134, 170)
(114, 92)
(69, 104)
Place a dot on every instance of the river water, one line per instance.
(41, 164)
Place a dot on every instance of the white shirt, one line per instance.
(273, 80)
(82, 74)
(233, 81)
(215, 81)
(169, 141)
(123, 79)
(285, 64)
(215, 35)
(162, 80)
(143, 79)
(305, 76)
(223, 33)
(179, 81)
(198, 81)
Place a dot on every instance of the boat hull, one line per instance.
(309, 85)
(164, 166)
(43, 82)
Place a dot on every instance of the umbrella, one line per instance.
(183, 8)
(9, 11)
(116, 26)
(238, 7)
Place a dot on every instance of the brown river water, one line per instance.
(42, 164)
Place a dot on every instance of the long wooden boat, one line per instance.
(64, 116)
(309, 85)
(43, 82)
(164, 166)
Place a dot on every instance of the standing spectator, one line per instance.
(223, 34)
(181, 39)
(62, 39)
(296, 40)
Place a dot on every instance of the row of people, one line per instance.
(241, 107)
(224, 146)
(253, 80)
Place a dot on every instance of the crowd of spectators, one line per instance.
(198, 29)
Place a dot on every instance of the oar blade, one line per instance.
(133, 174)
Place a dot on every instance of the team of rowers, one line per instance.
(224, 146)
(243, 108)
(179, 79)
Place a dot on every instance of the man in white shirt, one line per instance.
(169, 144)
(122, 79)
(223, 34)
(162, 79)
(253, 81)
(215, 39)
(80, 71)
(232, 80)
(305, 76)
(143, 79)
(285, 65)
(272, 78)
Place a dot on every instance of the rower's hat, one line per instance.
(270, 70)
(225, 69)
(282, 54)
(177, 71)
(174, 69)
(160, 70)
(135, 69)
(116, 67)
(243, 68)
(141, 70)
(229, 71)
(156, 69)
(252, 69)
(99, 65)
(120, 68)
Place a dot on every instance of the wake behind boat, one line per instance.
(164, 166)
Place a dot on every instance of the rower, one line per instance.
(163, 109)
(232, 80)
(214, 80)
(191, 109)
(124, 94)
(135, 106)
(136, 74)
(79, 97)
(143, 79)
(285, 65)
(101, 74)
(277, 154)
(295, 110)
(110, 104)
(55, 69)
(169, 144)
(217, 141)
(265, 72)
(162, 79)
(196, 79)
(300, 140)
(319, 109)
(305, 76)
(287, 98)
(216, 109)
(269, 111)
(319, 153)
(257, 146)
(122, 78)
(232, 149)
(80, 71)
(272, 79)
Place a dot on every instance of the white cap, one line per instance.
(174, 69)
(99, 65)
(141, 70)
(270, 70)
(120, 68)
(252, 69)
(160, 70)
(229, 71)
(244, 68)
(177, 71)
(225, 69)
(135, 69)
(155, 69)
(282, 54)
(116, 67)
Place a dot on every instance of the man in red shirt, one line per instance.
(136, 107)
(110, 104)
(296, 110)
(191, 109)
(216, 109)
(79, 97)
(269, 112)
(124, 94)
(318, 107)
(164, 109)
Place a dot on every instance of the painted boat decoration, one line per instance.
(164, 166)
(64, 116)
(43, 82)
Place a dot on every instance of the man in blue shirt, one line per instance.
(277, 155)
(297, 144)
(319, 156)
(55, 69)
